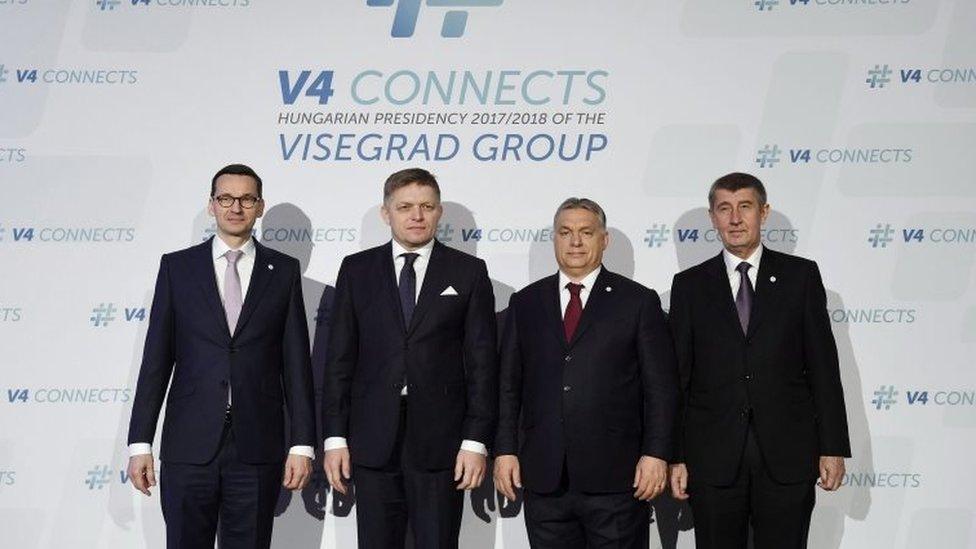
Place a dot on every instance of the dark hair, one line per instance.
(574, 203)
(736, 181)
(235, 169)
(410, 176)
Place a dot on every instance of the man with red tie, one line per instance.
(588, 365)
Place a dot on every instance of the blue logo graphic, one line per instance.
(657, 235)
(879, 76)
(103, 314)
(407, 11)
(767, 157)
(2, 230)
(98, 477)
(885, 396)
(3, 73)
(881, 235)
(107, 5)
(766, 5)
(445, 233)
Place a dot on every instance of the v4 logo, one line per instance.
(321, 87)
(913, 234)
(798, 155)
(911, 75)
(17, 395)
(917, 397)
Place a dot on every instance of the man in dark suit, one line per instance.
(410, 397)
(588, 366)
(762, 409)
(228, 325)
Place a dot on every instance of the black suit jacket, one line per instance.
(447, 355)
(598, 402)
(265, 362)
(784, 372)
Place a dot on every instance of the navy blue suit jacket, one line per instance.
(447, 354)
(265, 362)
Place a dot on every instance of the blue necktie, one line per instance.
(408, 287)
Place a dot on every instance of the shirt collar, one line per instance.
(732, 261)
(588, 281)
(220, 248)
(423, 251)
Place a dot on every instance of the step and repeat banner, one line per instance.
(859, 115)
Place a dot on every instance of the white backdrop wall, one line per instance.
(860, 116)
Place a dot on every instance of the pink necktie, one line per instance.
(233, 298)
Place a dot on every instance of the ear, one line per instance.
(606, 239)
(764, 212)
(711, 216)
(210, 208)
(384, 214)
(260, 209)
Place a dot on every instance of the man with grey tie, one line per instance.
(761, 412)
(228, 325)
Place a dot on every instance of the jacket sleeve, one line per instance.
(682, 335)
(481, 361)
(655, 354)
(510, 384)
(297, 369)
(341, 358)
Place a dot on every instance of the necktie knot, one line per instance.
(409, 258)
(233, 256)
(743, 267)
(574, 289)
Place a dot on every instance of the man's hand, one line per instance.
(679, 481)
(469, 469)
(141, 472)
(508, 476)
(831, 472)
(298, 469)
(336, 465)
(650, 477)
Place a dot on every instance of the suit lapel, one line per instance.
(552, 307)
(204, 273)
(261, 275)
(722, 292)
(766, 289)
(387, 274)
(594, 304)
(435, 280)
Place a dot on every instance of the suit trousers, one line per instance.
(568, 519)
(389, 497)
(226, 494)
(778, 513)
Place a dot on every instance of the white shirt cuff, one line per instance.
(474, 446)
(306, 451)
(140, 449)
(335, 443)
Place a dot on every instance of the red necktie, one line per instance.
(573, 311)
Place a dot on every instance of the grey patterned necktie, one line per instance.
(233, 297)
(744, 297)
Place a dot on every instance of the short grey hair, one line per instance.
(574, 203)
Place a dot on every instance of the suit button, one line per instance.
(567, 388)
(232, 350)
(748, 377)
(223, 382)
(567, 358)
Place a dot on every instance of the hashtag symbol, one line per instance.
(766, 5)
(885, 396)
(878, 76)
(445, 233)
(657, 235)
(108, 5)
(3, 73)
(2, 230)
(103, 314)
(767, 157)
(881, 235)
(98, 477)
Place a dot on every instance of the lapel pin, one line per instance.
(609, 289)
(270, 267)
(772, 279)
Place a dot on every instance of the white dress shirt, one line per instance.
(420, 268)
(588, 281)
(732, 261)
(245, 266)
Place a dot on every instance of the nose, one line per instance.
(576, 240)
(736, 217)
(236, 207)
(417, 214)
